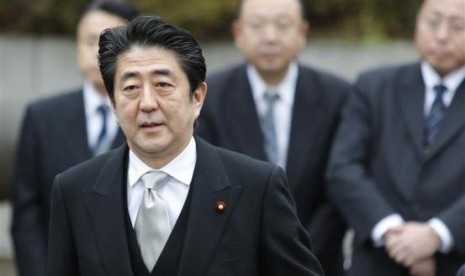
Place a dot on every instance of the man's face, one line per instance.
(88, 32)
(440, 34)
(153, 104)
(270, 33)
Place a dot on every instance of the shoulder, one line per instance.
(226, 72)
(55, 103)
(326, 78)
(386, 73)
(226, 76)
(378, 83)
(323, 78)
(243, 169)
(330, 90)
(83, 176)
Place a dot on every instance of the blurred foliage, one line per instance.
(210, 19)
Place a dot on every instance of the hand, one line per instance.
(411, 242)
(424, 267)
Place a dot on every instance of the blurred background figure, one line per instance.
(59, 132)
(397, 167)
(273, 108)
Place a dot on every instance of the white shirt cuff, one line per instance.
(447, 241)
(391, 221)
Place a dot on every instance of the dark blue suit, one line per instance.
(379, 165)
(53, 138)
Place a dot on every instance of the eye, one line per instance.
(433, 21)
(163, 84)
(130, 88)
(255, 25)
(458, 25)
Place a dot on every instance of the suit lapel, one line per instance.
(206, 224)
(119, 139)
(410, 95)
(304, 125)
(241, 114)
(75, 129)
(105, 207)
(452, 123)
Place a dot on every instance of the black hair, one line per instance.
(121, 9)
(149, 30)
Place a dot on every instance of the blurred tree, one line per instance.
(210, 19)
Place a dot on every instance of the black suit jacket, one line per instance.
(229, 119)
(53, 138)
(380, 166)
(257, 234)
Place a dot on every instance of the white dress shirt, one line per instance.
(283, 106)
(430, 78)
(92, 100)
(174, 192)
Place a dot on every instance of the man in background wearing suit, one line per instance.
(303, 116)
(397, 169)
(168, 203)
(59, 132)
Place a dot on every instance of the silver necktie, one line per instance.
(269, 127)
(152, 223)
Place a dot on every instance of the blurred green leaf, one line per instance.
(211, 19)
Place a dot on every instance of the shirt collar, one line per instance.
(93, 99)
(285, 88)
(180, 168)
(451, 80)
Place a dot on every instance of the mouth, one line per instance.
(150, 125)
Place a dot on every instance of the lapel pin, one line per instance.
(220, 206)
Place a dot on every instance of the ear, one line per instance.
(304, 30)
(199, 97)
(305, 27)
(236, 30)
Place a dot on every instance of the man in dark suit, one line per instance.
(271, 34)
(168, 203)
(397, 169)
(59, 132)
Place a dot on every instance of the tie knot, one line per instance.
(154, 179)
(440, 89)
(271, 96)
(102, 110)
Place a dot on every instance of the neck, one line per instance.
(272, 79)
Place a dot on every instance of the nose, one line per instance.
(148, 100)
(270, 32)
(442, 32)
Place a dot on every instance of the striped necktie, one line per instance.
(436, 114)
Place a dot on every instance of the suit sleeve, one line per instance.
(286, 246)
(29, 218)
(454, 219)
(62, 258)
(350, 185)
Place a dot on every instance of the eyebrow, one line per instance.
(131, 74)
